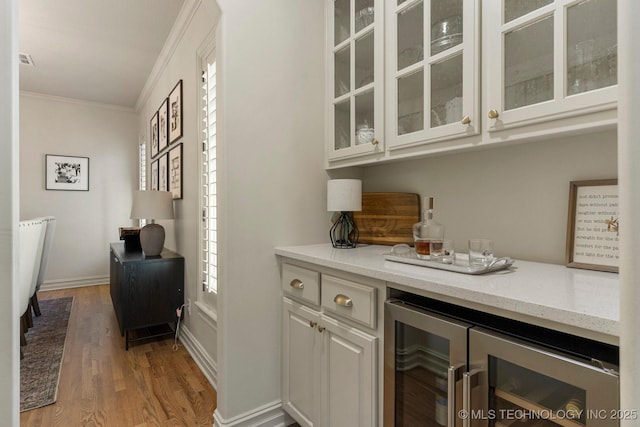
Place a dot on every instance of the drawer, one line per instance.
(301, 283)
(350, 300)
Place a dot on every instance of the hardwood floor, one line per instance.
(103, 385)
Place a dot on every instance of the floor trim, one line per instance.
(270, 415)
(206, 364)
(77, 282)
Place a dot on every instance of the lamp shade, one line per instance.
(344, 195)
(152, 205)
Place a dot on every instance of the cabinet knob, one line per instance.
(296, 284)
(312, 324)
(374, 141)
(321, 329)
(343, 300)
(465, 120)
(493, 114)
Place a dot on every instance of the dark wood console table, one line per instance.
(145, 291)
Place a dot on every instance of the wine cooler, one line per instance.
(450, 366)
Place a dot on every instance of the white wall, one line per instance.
(182, 234)
(515, 195)
(9, 357)
(87, 221)
(629, 184)
(271, 183)
(271, 97)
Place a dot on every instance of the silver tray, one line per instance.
(461, 264)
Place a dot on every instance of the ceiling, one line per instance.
(93, 50)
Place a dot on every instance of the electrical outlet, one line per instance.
(189, 306)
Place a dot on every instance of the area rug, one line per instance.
(40, 367)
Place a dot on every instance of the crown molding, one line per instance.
(55, 98)
(178, 30)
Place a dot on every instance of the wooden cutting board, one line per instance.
(387, 218)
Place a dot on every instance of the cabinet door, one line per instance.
(349, 376)
(115, 287)
(432, 70)
(300, 363)
(516, 377)
(549, 59)
(425, 355)
(153, 291)
(354, 78)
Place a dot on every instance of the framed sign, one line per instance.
(163, 175)
(163, 126)
(153, 132)
(592, 226)
(175, 171)
(154, 175)
(66, 173)
(175, 113)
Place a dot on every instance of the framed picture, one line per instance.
(163, 176)
(175, 113)
(163, 125)
(153, 132)
(592, 227)
(175, 171)
(66, 173)
(154, 175)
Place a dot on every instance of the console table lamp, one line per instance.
(152, 205)
(344, 196)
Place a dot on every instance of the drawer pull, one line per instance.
(321, 329)
(313, 324)
(343, 300)
(296, 284)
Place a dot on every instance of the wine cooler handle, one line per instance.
(467, 385)
(453, 376)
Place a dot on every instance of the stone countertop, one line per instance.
(580, 302)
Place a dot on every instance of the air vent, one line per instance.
(25, 59)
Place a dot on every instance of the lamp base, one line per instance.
(344, 233)
(152, 239)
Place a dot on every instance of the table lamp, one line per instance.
(152, 205)
(344, 196)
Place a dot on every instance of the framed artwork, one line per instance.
(154, 175)
(163, 125)
(163, 175)
(175, 171)
(66, 173)
(153, 132)
(175, 113)
(592, 227)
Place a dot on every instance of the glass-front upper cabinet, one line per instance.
(549, 59)
(432, 70)
(355, 78)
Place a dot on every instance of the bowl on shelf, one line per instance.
(364, 134)
(446, 33)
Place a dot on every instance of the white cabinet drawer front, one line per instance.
(301, 283)
(350, 300)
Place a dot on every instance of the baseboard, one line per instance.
(206, 364)
(77, 282)
(270, 415)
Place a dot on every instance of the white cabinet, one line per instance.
(432, 71)
(348, 375)
(330, 367)
(355, 121)
(301, 358)
(458, 76)
(549, 60)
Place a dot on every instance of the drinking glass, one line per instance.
(480, 252)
